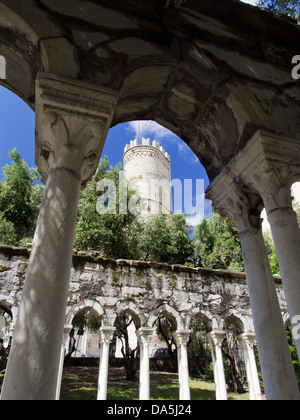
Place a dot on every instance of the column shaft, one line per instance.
(278, 374)
(216, 338)
(247, 342)
(182, 338)
(107, 334)
(144, 336)
(35, 353)
(244, 206)
(286, 235)
(72, 120)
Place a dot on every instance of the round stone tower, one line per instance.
(150, 166)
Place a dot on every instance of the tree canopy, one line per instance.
(20, 199)
(217, 244)
(281, 7)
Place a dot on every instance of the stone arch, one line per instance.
(170, 313)
(132, 309)
(236, 322)
(213, 97)
(207, 319)
(85, 304)
(19, 47)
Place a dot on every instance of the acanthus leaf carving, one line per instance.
(72, 123)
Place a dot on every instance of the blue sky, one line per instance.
(17, 129)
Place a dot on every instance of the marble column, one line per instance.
(268, 165)
(182, 338)
(244, 206)
(247, 341)
(273, 175)
(106, 337)
(216, 338)
(72, 121)
(144, 337)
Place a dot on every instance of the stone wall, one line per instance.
(143, 289)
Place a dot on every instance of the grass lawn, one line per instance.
(81, 384)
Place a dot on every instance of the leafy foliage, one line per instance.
(85, 319)
(167, 239)
(114, 235)
(284, 7)
(217, 244)
(122, 323)
(20, 199)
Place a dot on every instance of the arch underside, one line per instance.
(213, 72)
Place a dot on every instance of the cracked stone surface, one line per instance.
(212, 71)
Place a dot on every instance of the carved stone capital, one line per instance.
(182, 337)
(144, 335)
(216, 338)
(231, 198)
(269, 164)
(274, 182)
(260, 176)
(72, 121)
(247, 340)
(107, 334)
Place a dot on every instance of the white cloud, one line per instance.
(164, 136)
(149, 129)
(253, 2)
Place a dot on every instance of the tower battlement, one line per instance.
(147, 142)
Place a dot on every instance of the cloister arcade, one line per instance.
(147, 291)
(217, 73)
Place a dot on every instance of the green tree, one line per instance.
(217, 244)
(167, 239)
(111, 233)
(281, 7)
(7, 232)
(20, 200)
(122, 323)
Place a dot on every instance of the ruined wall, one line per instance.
(146, 290)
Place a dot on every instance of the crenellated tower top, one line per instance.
(147, 143)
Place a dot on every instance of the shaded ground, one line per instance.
(80, 383)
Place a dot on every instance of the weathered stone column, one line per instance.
(182, 337)
(275, 168)
(247, 341)
(106, 336)
(275, 358)
(144, 336)
(72, 120)
(215, 338)
(269, 165)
